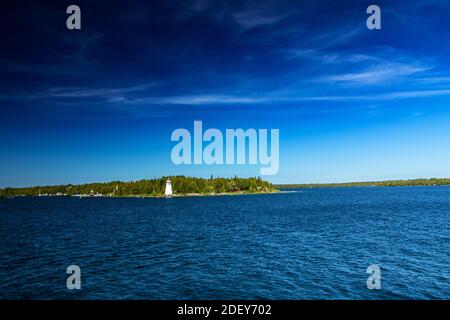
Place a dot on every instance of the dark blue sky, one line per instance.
(100, 103)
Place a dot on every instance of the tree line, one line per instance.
(150, 187)
(387, 183)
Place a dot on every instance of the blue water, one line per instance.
(312, 244)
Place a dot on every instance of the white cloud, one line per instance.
(196, 100)
(382, 96)
(81, 92)
(378, 74)
(275, 98)
(434, 80)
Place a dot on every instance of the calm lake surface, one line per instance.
(311, 244)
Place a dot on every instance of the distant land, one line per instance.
(191, 186)
(386, 183)
(149, 188)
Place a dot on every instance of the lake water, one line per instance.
(312, 244)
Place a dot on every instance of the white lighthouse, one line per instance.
(168, 192)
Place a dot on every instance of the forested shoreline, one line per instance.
(149, 187)
(386, 183)
(183, 185)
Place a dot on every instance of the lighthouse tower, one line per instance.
(168, 192)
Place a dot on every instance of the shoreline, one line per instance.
(363, 186)
(419, 182)
(149, 196)
(220, 194)
(198, 187)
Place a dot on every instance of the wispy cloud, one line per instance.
(381, 96)
(151, 94)
(81, 92)
(320, 56)
(255, 18)
(378, 74)
(434, 80)
(273, 98)
(194, 100)
(259, 13)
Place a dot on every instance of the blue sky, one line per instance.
(99, 104)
